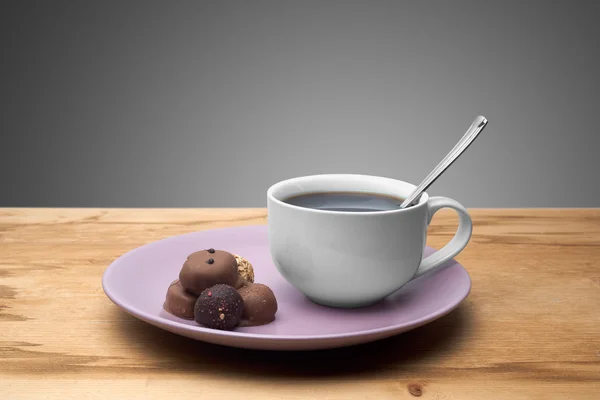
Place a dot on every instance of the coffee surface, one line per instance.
(345, 201)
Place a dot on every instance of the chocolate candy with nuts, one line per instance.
(245, 270)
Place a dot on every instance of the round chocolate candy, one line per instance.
(219, 307)
(205, 268)
(260, 304)
(245, 270)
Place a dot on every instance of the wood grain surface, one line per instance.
(530, 329)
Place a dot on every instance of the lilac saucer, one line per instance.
(137, 282)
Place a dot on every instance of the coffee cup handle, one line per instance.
(458, 242)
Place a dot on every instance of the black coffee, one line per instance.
(346, 201)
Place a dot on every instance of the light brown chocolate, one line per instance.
(179, 302)
(260, 304)
(206, 268)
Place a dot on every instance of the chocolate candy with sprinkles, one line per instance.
(219, 307)
(205, 268)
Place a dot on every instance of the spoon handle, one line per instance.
(468, 138)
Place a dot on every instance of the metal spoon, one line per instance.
(468, 138)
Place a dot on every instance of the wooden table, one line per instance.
(530, 329)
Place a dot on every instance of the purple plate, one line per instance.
(138, 281)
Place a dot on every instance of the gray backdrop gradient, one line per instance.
(206, 104)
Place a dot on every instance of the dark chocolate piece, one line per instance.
(219, 307)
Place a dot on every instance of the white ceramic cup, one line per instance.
(354, 259)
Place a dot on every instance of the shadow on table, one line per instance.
(175, 353)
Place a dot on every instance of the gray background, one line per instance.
(206, 104)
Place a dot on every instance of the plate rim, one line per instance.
(159, 322)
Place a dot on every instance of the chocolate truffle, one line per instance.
(205, 268)
(219, 307)
(245, 270)
(260, 304)
(179, 302)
